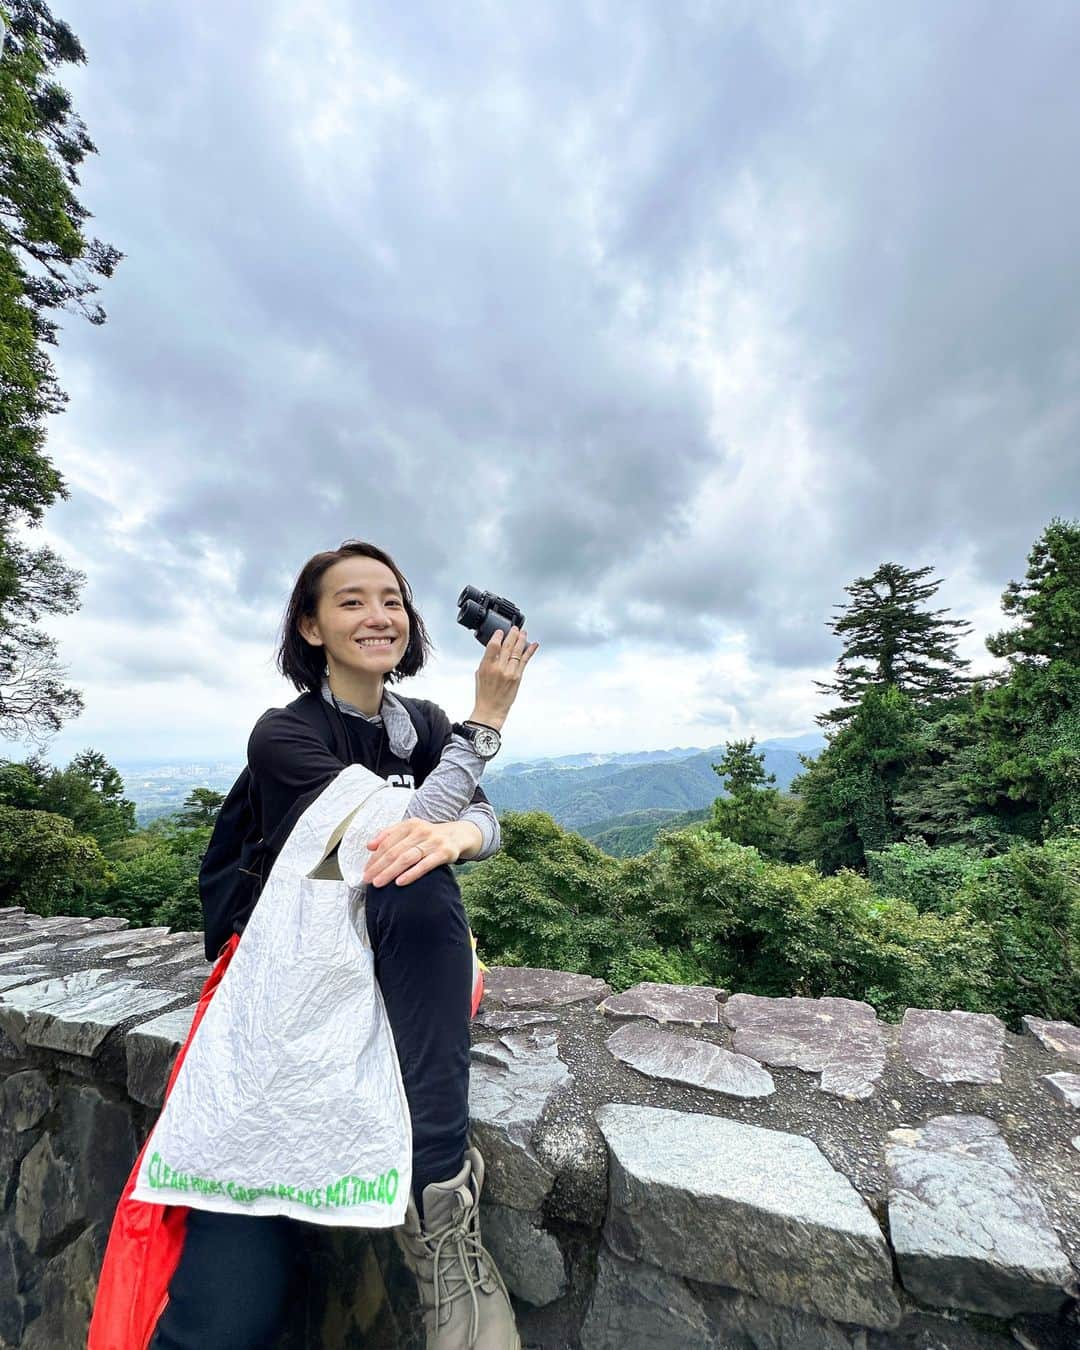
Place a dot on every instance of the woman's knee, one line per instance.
(428, 910)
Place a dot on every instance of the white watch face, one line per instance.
(486, 742)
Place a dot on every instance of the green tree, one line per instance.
(928, 878)
(1028, 900)
(1026, 768)
(701, 909)
(548, 898)
(750, 813)
(892, 641)
(90, 793)
(1046, 603)
(48, 263)
(933, 801)
(847, 794)
(155, 877)
(20, 784)
(201, 807)
(45, 866)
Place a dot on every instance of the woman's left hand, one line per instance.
(407, 851)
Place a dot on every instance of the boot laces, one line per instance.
(462, 1266)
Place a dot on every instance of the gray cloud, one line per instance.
(437, 277)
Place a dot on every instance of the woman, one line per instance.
(349, 631)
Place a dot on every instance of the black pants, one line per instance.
(236, 1272)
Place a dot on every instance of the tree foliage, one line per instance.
(48, 263)
(89, 793)
(705, 910)
(200, 808)
(1026, 765)
(848, 793)
(45, 866)
(892, 641)
(751, 812)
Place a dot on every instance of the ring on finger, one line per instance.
(419, 849)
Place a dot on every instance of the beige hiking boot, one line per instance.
(466, 1306)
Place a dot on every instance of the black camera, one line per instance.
(485, 613)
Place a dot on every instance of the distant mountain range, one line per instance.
(579, 791)
(582, 790)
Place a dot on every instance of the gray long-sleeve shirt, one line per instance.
(446, 793)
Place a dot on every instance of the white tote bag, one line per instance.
(290, 1100)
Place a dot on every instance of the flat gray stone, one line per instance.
(529, 1259)
(953, 1047)
(58, 928)
(1065, 1087)
(151, 1049)
(135, 939)
(739, 1320)
(692, 1004)
(683, 1059)
(531, 987)
(196, 952)
(1061, 1037)
(137, 946)
(514, 1021)
(26, 975)
(106, 923)
(757, 1210)
(176, 948)
(839, 1038)
(968, 1228)
(509, 1088)
(8, 960)
(74, 1013)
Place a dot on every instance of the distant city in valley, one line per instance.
(580, 791)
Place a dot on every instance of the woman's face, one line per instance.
(360, 618)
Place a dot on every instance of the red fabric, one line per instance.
(146, 1240)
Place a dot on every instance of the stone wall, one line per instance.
(667, 1168)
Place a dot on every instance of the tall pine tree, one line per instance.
(48, 263)
(892, 641)
(1027, 765)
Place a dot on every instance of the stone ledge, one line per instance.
(570, 1083)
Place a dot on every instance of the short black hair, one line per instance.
(304, 664)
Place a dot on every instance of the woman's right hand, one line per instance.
(498, 677)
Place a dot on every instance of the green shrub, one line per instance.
(157, 879)
(700, 909)
(928, 878)
(45, 866)
(549, 898)
(1029, 902)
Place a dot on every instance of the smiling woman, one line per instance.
(350, 630)
(351, 619)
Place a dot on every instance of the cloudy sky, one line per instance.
(665, 319)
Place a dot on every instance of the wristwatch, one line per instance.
(484, 740)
